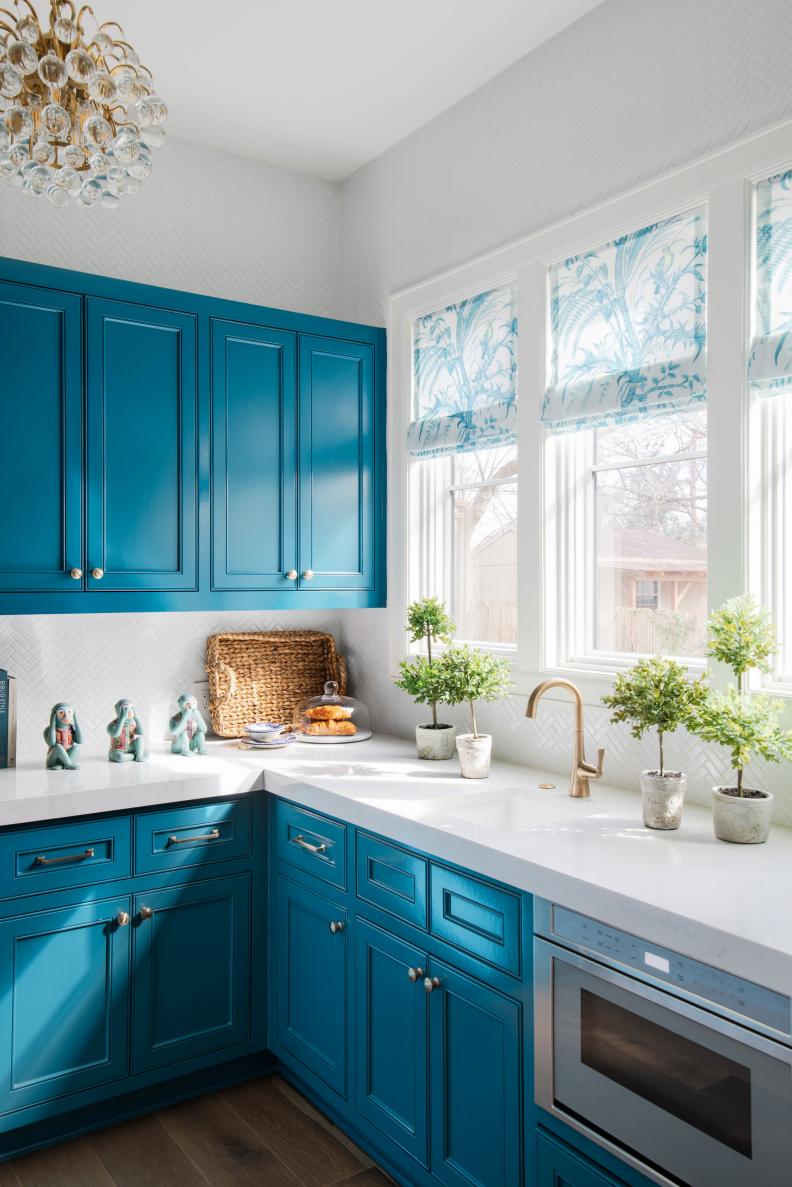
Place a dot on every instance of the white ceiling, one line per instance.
(323, 86)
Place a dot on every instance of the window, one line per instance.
(464, 470)
(647, 595)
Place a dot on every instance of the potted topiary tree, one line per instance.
(419, 676)
(468, 675)
(656, 694)
(741, 635)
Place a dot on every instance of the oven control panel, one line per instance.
(721, 991)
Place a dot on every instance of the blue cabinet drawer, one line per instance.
(312, 843)
(477, 917)
(63, 855)
(392, 878)
(175, 838)
(558, 1166)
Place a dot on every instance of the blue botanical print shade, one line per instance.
(628, 327)
(465, 376)
(770, 360)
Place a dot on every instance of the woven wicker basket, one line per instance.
(262, 675)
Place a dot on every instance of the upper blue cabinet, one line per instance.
(167, 451)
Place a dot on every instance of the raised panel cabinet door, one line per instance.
(392, 1072)
(337, 427)
(41, 535)
(476, 1104)
(142, 448)
(191, 970)
(561, 1167)
(254, 457)
(312, 982)
(64, 1009)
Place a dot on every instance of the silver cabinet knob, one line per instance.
(431, 983)
(291, 575)
(75, 574)
(415, 974)
(146, 912)
(308, 574)
(97, 574)
(336, 926)
(122, 918)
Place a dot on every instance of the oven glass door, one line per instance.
(698, 1098)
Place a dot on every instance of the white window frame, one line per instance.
(722, 183)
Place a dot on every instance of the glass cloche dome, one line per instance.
(331, 718)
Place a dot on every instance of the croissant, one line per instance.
(335, 728)
(328, 713)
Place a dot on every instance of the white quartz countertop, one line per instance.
(728, 905)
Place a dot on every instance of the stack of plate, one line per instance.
(267, 735)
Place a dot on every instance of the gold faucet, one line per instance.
(582, 771)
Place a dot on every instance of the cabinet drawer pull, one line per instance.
(53, 861)
(75, 574)
(214, 835)
(145, 912)
(415, 974)
(291, 575)
(336, 927)
(97, 574)
(301, 841)
(122, 918)
(308, 574)
(431, 983)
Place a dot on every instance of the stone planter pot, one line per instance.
(663, 797)
(436, 744)
(744, 820)
(474, 755)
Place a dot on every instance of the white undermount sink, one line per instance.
(519, 809)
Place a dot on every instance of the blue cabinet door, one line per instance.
(41, 536)
(392, 1072)
(312, 982)
(192, 970)
(558, 1166)
(64, 1009)
(337, 482)
(254, 457)
(476, 1106)
(142, 448)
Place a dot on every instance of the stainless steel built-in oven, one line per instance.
(683, 1071)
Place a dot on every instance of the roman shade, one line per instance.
(628, 327)
(465, 376)
(770, 358)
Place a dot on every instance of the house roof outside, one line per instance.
(641, 550)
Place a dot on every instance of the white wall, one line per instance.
(630, 91)
(205, 222)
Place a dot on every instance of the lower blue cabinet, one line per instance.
(312, 982)
(192, 970)
(391, 1057)
(476, 1102)
(64, 1007)
(558, 1166)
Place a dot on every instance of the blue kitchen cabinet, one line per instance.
(142, 448)
(192, 959)
(339, 500)
(559, 1166)
(391, 1058)
(41, 528)
(64, 1008)
(476, 1101)
(312, 983)
(254, 457)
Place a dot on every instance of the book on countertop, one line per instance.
(8, 719)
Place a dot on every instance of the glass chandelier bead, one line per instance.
(73, 156)
(39, 178)
(126, 148)
(66, 30)
(52, 71)
(20, 153)
(109, 200)
(133, 184)
(80, 66)
(7, 165)
(18, 121)
(70, 180)
(10, 81)
(56, 120)
(97, 131)
(28, 30)
(42, 152)
(57, 195)
(22, 57)
(141, 167)
(153, 137)
(90, 193)
(102, 88)
(159, 110)
(126, 82)
(116, 180)
(103, 42)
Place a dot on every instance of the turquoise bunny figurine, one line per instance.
(126, 735)
(63, 737)
(188, 728)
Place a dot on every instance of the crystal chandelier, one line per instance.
(79, 111)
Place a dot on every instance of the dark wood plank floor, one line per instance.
(258, 1133)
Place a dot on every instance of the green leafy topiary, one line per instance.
(426, 619)
(655, 694)
(468, 675)
(745, 726)
(742, 636)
